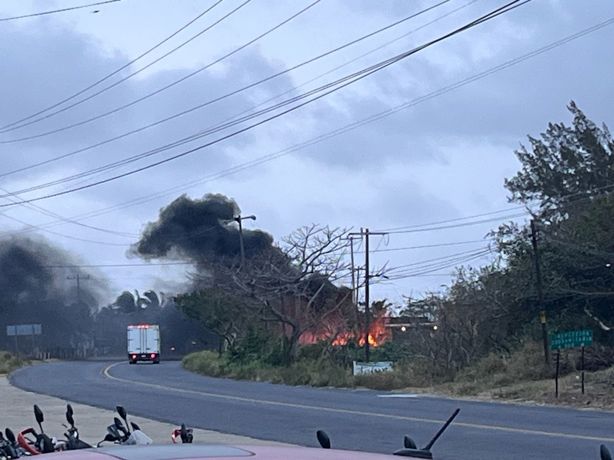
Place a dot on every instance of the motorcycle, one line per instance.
(121, 433)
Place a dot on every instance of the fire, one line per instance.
(378, 334)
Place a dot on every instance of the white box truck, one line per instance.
(144, 343)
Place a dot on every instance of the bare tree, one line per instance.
(294, 285)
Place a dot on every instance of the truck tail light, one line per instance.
(153, 356)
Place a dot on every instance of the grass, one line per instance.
(518, 377)
(308, 371)
(9, 363)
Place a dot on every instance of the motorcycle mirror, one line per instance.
(409, 443)
(121, 411)
(323, 439)
(118, 423)
(604, 453)
(40, 417)
(123, 414)
(10, 436)
(135, 427)
(184, 433)
(1, 437)
(113, 431)
(69, 416)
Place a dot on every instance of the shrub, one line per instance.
(9, 363)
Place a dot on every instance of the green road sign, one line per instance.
(571, 339)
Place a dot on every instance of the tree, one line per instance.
(218, 311)
(291, 287)
(126, 302)
(565, 163)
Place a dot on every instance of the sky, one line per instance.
(441, 152)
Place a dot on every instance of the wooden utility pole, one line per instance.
(78, 278)
(366, 235)
(540, 292)
(239, 219)
(353, 269)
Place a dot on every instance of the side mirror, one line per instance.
(69, 415)
(38, 413)
(134, 426)
(113, 432)
(122, 412)
(604, 453)
(323, 439)
(10, 436)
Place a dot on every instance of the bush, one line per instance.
(9, 363)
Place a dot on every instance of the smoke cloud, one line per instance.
(199, 230)
(35, 289)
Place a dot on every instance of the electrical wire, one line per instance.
(63, 235)
(222, 97)
(424, 246)
(345, 82)
(12, 125)
(352, 126)
(18, 200)
(119, 265)
(172, 84)
(435, 267)
(61, 10)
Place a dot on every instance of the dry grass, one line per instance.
(8, 362)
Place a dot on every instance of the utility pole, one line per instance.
(540, 293)
(353, 269)
(78, 278)
(368, 276)
(240, 220)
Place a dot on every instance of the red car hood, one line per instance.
(199, 452)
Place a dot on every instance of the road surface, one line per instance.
(355, 419)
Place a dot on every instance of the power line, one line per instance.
(484, 214)
(463, 224)
(442, 258)
(424, 246)
(119, 265)
(428, 269)
(174, 83)
(18, 200)
(355, 125)
(370, 119)
(63, 235)
(4, 129)
(346, 81)
(62, 10)
(220, 98)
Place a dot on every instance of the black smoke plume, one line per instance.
(35, 289)
(199, 230)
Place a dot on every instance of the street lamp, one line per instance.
(239, 219)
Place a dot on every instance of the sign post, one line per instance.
(582, 359)
(569, 339)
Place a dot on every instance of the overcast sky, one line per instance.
(437, 159)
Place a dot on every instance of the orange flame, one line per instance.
(378, 334)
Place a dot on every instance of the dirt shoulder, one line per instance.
(599, 391)
(17, 413)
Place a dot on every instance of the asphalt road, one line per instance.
(355, 419)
